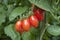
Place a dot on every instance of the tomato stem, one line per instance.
(54, 16)
(44, 27)
(21, 37)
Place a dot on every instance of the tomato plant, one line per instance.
(29, 19)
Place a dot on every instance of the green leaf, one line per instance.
(44, 4)
(2, 14)
(25, 3)
(34, 31)
(2, 18)
(28, 36)
(0, 1)
(9, 31)
(1, 31)
(17, 11)
(10, 8)
(53, 30)
(5, 2)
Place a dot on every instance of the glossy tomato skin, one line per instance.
(39, 14)
(33, 21)
(18, 26)
(26, 25)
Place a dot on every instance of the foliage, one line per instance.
(12, 10)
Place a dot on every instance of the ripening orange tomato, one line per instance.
(18, 26)
(26, 25)
(33, 21)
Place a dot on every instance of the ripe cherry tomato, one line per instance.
(18, 26)
(39, 14)
(33, 21)
(26, 25)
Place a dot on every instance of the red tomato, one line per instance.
(26, 24)
(18, 26)
(39, 14)
(33, 21)
(41, 11)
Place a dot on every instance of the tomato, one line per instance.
(33, 21)
(18, 26)
(41, 11)
(39, 14)
(26, 25)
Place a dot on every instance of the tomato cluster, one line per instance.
(33, 20)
